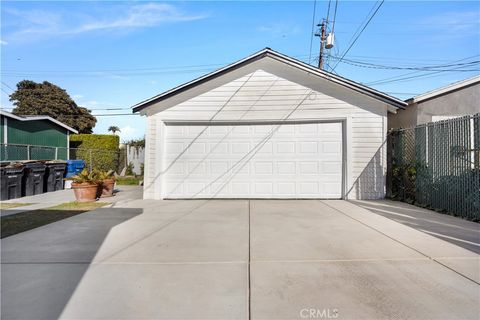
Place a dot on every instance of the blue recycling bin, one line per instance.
(74, 167)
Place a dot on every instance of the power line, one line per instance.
(422, 68)
(423, 76)
(334, 16)
(6, 85)
(360, 33)
(145, 70)
(313, 31)
(128, 69)
(329, 54)
(386, 80)
(99, 74)
(181, 69)
(95, 115)
(328, 10)
(400, 59)
(402, 23)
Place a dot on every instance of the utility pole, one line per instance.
(322, 42)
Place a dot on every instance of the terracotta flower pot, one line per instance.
(85, 192)
(107, 188)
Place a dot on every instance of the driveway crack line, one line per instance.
(400, 242)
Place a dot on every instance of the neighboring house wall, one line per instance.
(464, 101)
(459, 103)
(2, 130)
(40, 133)
(34, 133)
(260, 95)
(136, 156)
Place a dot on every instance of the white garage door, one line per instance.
(290, 160)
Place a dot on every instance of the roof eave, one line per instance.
(33, 118)
(276, 55)
(445, 90)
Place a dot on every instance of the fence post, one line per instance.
(90, 154)
(28, 152)
(56, 153)
(388, 180)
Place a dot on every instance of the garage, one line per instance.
(267, 127)
(264, 160)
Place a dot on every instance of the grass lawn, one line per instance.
(4, 205)
(128, 181)
(25, 221)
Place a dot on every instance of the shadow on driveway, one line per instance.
(463, 233)
(41, 268)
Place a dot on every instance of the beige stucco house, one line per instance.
(455, 100)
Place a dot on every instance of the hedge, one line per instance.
(100, 149)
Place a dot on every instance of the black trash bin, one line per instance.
(54, 173)
(3, 181)
(33, 176)
(11, 181)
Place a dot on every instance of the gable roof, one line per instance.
(444, 90)
(267, 52)
(34, 118)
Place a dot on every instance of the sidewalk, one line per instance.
(50, 199)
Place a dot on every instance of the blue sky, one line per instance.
(113, 54)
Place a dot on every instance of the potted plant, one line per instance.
(85, 185)
(107, 179)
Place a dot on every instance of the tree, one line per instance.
(113, 129)
(32, 98)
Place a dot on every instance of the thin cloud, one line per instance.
(145, 15)
(454, 22)
(448, 27)
(128, 133)
(37, 23)
(3, 43)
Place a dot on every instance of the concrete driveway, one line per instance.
(226, 259)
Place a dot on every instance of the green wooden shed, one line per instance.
(33, 138)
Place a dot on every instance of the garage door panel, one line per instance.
(330, 166)
(263, 189)
(302, 160)
(285, 130)
(220, 148)
(308, 147)
(309, 188)
(285, 147)
(311, 128)
(240, 147)
(286, 168)
(241, 168)
(265, 149)
(286, 188)
(308, 167)
(242, 189)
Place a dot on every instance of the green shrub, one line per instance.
(129, 170)
(129, 181)
(100, 149)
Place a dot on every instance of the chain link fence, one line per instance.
(437, 166)
(94, 158)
